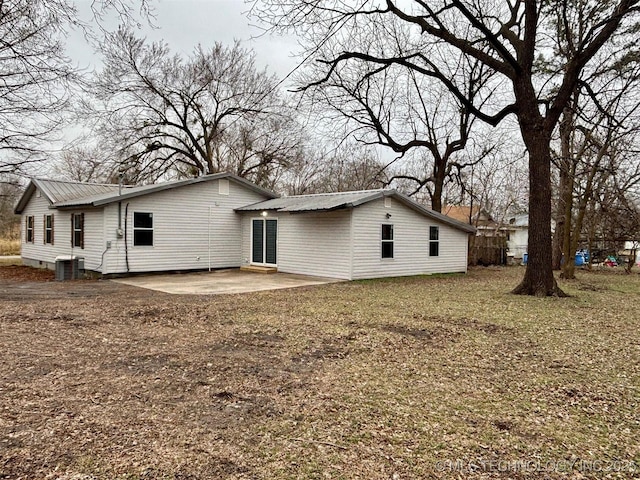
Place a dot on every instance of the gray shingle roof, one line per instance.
(325, 202)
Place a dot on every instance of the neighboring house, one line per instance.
(517, 235)
(222, 220)
(478, 217)
(489, 245)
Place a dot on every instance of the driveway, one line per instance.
(222, 281)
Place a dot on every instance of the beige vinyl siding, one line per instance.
(411, 243)
(310, 243)
(39, 253)
(181, 228)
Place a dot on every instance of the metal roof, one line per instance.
(76, 194)
(325, 202)
(56, 191)
(316, 202)
(59, 191)
(132, 192)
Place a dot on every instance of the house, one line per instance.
(476, 216)
(221, 221)
(517, 235)
(353, 235)
(181, 225)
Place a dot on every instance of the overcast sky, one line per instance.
(185, 23)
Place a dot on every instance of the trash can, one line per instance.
(525, 258)
(69, 267)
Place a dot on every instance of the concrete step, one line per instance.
(258, 269)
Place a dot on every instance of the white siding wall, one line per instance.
(517, 245)
(181, 229)
(39, 253)
(411, 243)
(309, 243)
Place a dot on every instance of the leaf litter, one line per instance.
(375, 379)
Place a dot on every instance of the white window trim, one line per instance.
(382, 242)
(434, 241)
(76, 230)
(49, 228)
(134, 228)
(32, 229)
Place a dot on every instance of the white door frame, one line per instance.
(264, 242)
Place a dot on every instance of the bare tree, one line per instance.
(349, 167)
(10, 191)
(35, 74)
(412, 115)
(210, 112)
(86, 164)
(507, 38)
(597, 133)
(614, 216)
(496, 185)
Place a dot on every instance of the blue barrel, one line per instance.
(525, 258)
(579, 260)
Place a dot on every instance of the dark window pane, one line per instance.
(143, 237)
(387, 232)
(142, 220)
(434, 249)
(257, 255)
(433, 233)
(271, 240)
(48, 221)
(77, 238)
(29, 229)
(387, 249)
(48, 236)
(77, 222)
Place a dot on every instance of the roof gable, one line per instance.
(76, 194)
(56, 191)
(326, 202)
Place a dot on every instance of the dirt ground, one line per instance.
(377, 379)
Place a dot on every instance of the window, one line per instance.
(434, 241)
(77, 230)
(142, 229)
(29, 230)
(48, 229)
(387, 241)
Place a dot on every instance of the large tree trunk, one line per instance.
(538, 278)
(439, 176)
(436, 199)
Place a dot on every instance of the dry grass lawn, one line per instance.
(9, 246)
(377, 380)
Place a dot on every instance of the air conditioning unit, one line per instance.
(69, 267)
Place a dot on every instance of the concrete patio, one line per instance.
(222, 282)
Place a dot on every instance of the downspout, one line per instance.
(120, 203)
(126, 243)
